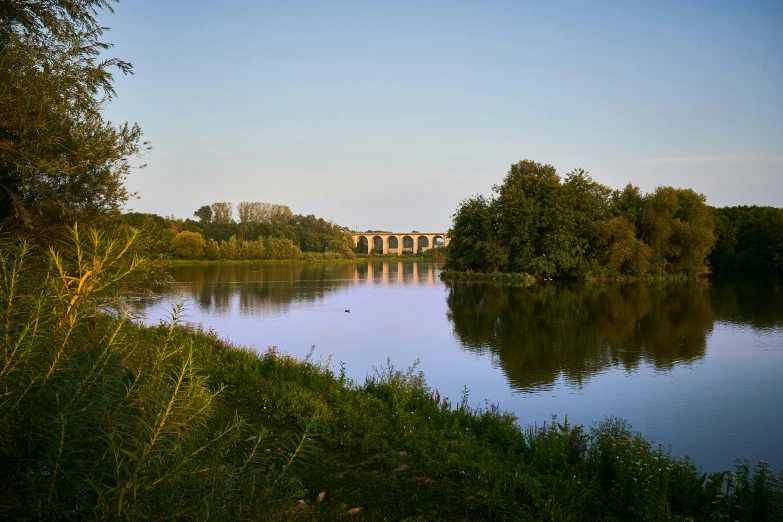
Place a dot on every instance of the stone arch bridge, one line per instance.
(399, 242)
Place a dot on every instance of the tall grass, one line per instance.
(97, 422)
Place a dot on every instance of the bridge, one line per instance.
(398, 242)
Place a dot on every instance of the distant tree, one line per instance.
(222, 212)
(312, 243)
(342, 246)
(204, 214)
(622, 252)
(188, 245)
(280, 214)
(748, 238)
(212, 250)
(60, 160)
(281, 249)
(250, 212)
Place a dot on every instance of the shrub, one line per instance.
(188, 245)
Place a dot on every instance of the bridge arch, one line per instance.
(363, 244)
(438, 241)
(394, 243)
(378, 244)
(422, 242)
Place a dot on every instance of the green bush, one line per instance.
(187, 245)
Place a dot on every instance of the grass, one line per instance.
(103, 418)
(498, 277)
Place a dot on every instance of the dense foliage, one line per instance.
(59, 158)
(99, 421)
(748, 238)
(543, 225)
(101, 418)
(264, 231)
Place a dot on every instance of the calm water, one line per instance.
(698, 365)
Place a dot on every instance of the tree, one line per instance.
(623, 253)
(188, 245)
(474, 244)
(222, 212)
(542, 225)
(59, 159)
(342, 246)
(528, 210)
(212, 250)
(204, 214)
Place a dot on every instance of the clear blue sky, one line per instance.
(386, 115)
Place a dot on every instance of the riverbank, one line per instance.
(499, 277)
(527, 279)
(267, 436)
(394, 448)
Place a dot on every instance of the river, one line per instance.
(696, 365)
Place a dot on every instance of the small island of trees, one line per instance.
(540, 224)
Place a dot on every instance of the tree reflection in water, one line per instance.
(536, 334)
(579, 330)
(272, 288)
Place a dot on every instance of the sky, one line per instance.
(385, 115)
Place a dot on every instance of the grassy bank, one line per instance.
(103, 418)
(498, 277)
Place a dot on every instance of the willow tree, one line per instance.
(60, 159)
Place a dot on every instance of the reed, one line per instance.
(100, 423)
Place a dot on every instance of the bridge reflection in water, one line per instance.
(265, 288)
(395, 273)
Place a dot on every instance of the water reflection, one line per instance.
(272, 288)
(577, 330)
(749, 299)
(537, 334)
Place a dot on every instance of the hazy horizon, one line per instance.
(387, 116)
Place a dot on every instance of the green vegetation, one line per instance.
(546, 226)
(498, 277)
(264, 232)
(59, 159)
(102, 418)
(748, 239)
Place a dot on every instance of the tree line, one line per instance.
(539, 223)
(263, 231)
(748, 238)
